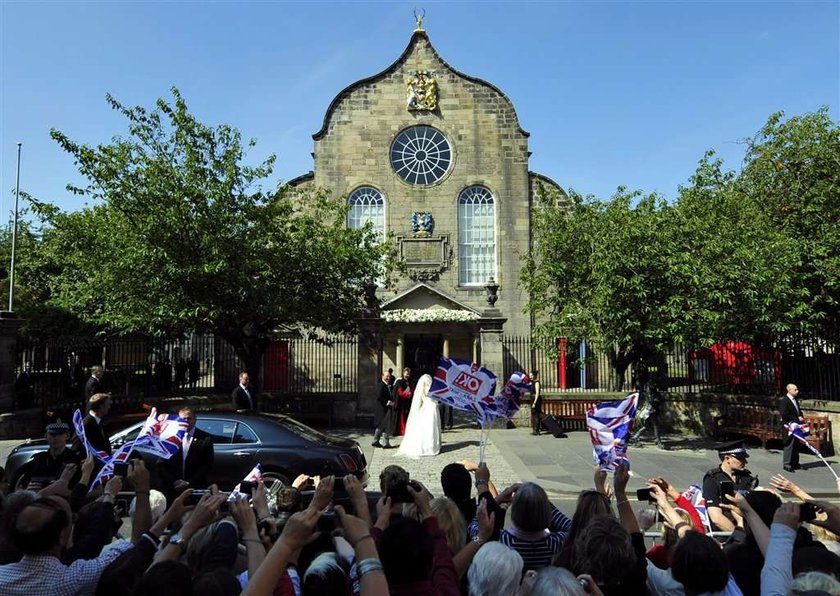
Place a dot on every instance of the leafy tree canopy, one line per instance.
(752, 255)
(182, 237)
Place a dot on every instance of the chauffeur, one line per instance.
(733, 468)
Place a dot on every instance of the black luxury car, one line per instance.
(281, 445)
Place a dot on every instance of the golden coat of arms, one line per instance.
(421, 91)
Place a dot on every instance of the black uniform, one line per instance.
(712, 490)
(45, 465)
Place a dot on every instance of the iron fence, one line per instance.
(52, 375)
(722, 367)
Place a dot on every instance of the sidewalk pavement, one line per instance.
(563, 467)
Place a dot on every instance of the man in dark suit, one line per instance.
(98, 407)
(189, 466)
(791, 412)
(94, 384)
(384, 414)
(244, 397)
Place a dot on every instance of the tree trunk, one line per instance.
(250, 351)
(620, 359)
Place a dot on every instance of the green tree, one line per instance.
(599, 270)
(792, 170)
(182, 237)
(731, 267)
(41, 320)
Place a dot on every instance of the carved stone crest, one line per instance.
(421, 91)
(422, 224)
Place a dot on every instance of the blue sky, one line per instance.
(613, 93)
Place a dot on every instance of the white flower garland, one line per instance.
(428, 315)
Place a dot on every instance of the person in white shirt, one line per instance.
(189, 467)
(42, 531)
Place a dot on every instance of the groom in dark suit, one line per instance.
(188, 468)
(791, 412)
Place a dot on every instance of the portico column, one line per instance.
(475, 347)
(446, 347)
(400, 356)
(490, 330)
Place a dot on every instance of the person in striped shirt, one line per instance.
(538, 528)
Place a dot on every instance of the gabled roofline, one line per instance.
(545, 178)
(421, 285)
(308, 176)
(417, 34)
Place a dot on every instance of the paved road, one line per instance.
(564, 466)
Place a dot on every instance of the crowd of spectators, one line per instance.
(331, 536)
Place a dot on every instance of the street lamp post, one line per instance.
(14, 236)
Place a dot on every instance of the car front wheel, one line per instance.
(274, 483)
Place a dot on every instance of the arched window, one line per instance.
(476, 236)
(367, 205)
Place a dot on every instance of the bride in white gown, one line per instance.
(422, 432)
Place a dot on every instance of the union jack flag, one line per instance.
(610, 424)
(161, 435)
(462, 384)
(694, 494)
(79, 427)
(107, 472)
(506, 404)
(801, 430)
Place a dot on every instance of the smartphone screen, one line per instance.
(120, 469)
(727, 488)
(643, 494)
(246, 488)
(338, 484)
(807, 512)
(196, 495)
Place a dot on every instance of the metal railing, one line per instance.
(722, 367)
(53, 374)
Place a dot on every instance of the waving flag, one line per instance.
(609, 425)
(161, 435)
(462, 384)
(107, 472)
(506, 404)
(79, 427)
(694, 494)
(801, 431)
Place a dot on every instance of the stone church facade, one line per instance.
(437, 161)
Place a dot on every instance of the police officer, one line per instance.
(731, 474)
(47, 465)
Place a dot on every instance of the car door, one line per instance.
(235, 449)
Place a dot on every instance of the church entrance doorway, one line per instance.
(422, 354)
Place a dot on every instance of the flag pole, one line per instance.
(816, 452)
(14, 236)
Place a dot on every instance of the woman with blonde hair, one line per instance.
(451, 522)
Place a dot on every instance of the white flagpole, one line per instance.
(816, 452)
(14, 236)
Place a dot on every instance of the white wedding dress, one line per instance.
(422, 431)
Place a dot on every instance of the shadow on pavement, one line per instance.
(447, 447)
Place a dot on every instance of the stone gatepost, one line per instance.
(492, 348)
(370, 369)
(9, 325)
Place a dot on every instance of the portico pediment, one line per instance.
(422, 297)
